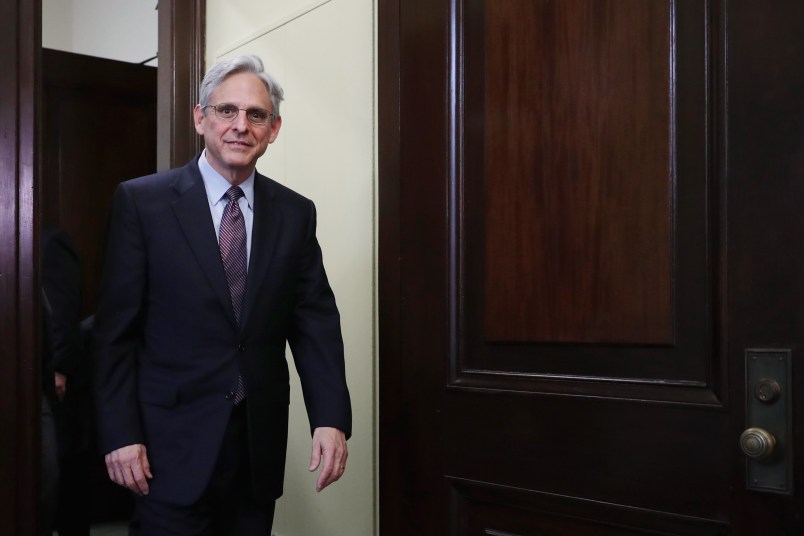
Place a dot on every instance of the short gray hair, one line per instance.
(241, 64)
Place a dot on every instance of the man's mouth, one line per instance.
(238, 143)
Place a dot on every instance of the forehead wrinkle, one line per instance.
(237, 87)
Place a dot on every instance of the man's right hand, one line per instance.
(129, 467)
(61, 385)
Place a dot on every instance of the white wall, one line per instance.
(322, 53)
(124, 30)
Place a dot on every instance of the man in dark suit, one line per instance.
(210, 269)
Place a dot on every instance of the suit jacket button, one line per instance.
(230, 395)
(241, 347)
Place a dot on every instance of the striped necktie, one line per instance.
(232, 240)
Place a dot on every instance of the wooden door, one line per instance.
(99, 130)
(589, 212)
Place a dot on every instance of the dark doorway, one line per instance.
(181, 39)
(589, 218)
(99, 128)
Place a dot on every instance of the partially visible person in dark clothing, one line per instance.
(49, 450)
(66, 379)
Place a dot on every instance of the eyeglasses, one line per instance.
(228, 112)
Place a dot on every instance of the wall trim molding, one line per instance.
(182, 31)
(265, 30)
(20, 378)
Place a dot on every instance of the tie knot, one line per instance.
(234, 193)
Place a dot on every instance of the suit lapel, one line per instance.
(192, 210)
(264, 236)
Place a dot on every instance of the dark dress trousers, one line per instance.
(168, 347)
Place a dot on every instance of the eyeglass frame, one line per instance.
(269, 119)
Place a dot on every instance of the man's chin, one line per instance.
(240, 160)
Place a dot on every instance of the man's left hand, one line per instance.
(329, 446)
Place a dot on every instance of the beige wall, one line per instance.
(322, 52)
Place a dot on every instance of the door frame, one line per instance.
(179, 74)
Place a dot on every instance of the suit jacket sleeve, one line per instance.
(118, 327)
(316, 342)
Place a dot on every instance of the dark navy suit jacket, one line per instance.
(168, 349)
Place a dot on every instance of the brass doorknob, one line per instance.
(757, 443)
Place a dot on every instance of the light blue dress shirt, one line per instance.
(216, 187)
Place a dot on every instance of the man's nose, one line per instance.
(240, 121)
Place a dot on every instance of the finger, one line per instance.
(115, 471)
(344, 458)
(145, 464)
(337, 468)
(110, 468)
(339, 457)
(315, 457)
(340, 465)
(129, 479)
(323, 477)
(328, 471)
(334, 476)
(119, 477)
(140, 481)
(323, 481)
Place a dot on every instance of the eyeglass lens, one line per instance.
(228, 112)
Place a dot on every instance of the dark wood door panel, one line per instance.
(577, 178)
(587, 205)
(491, 510)
(617, 452)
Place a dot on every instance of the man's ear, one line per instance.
(275, 126)
(198, 119)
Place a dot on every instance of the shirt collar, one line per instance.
(217, 186)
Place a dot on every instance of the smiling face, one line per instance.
(233, 147)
